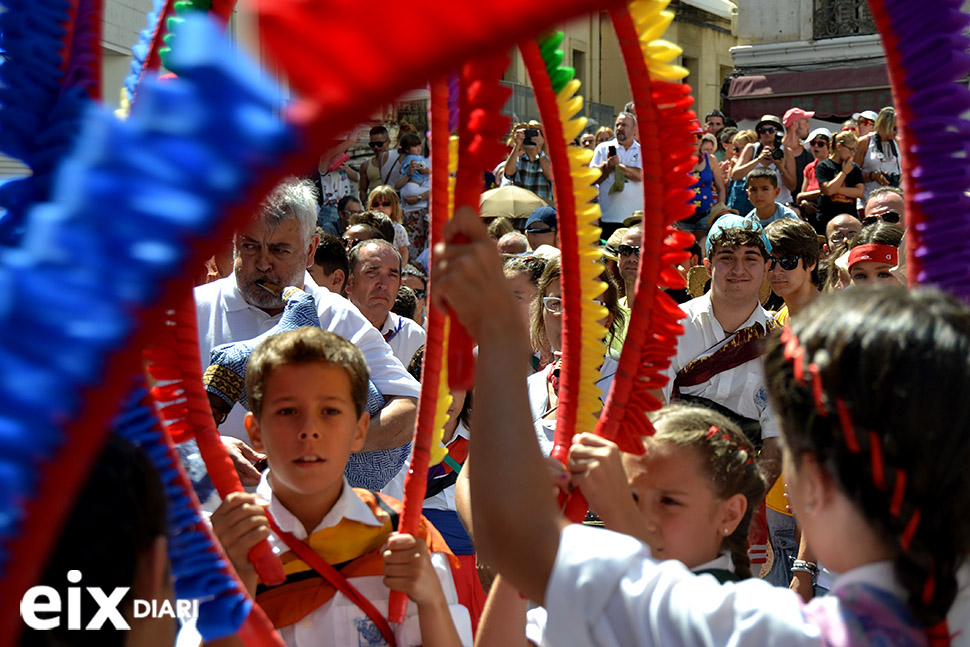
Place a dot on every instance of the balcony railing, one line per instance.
(521, 105)
(836, 18)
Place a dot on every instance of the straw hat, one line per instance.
(698, 282)
(719, 210)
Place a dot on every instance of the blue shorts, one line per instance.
(697, 222)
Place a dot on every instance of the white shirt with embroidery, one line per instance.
(404, 336)
(741, 389)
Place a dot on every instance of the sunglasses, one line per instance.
(629, 250)
(767, 129)
(533, 230)
(819, 143)
(839, 236)
(865, 122)
(886, 216)
(788, 263)
(374, 205)
(376, 144)
(420, 293)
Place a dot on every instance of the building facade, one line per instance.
(820, 55)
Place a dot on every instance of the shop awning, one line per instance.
(831, 93)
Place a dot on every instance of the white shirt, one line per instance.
(617, 207)
(741, 389)
(444, 500)
(412, 190)
(539, 401)
(605, 590)
(224, 316)
(537, 618)
(404, 336)
(334, 623)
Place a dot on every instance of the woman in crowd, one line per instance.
(604, 134)
(874, 252)
(546, 334)
(737, 195)
(708, 189)
(878, 154)
(384, 199)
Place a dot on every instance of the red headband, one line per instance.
(875, 253)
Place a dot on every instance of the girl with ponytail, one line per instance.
(693, 491)
(873, 389)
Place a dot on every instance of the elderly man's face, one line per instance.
(374, 281)
(278, 255)
(842, 229)
(888, 207)
(626, 129)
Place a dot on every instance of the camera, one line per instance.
(611, 151)
(894, 178)
(776, 152)
(530, 134)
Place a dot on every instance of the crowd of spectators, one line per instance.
(782, 213)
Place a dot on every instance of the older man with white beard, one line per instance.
(277, 247)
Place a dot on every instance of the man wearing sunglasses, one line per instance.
(793, 265)
(370, 171)
(628, 253)
(887, 204)
(769, 151)
(841, 229)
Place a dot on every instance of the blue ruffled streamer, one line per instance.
(140, 49)
(934, 58)
(41, 106)
(199, 570)
(128, 203)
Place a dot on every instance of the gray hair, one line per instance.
(886, 189)
(630, 115)
(292, 198)
(516, 236)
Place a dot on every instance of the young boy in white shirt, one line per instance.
(307, 389)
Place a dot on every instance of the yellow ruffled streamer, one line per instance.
(588, 403)
(651, 21)
(438, 450)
